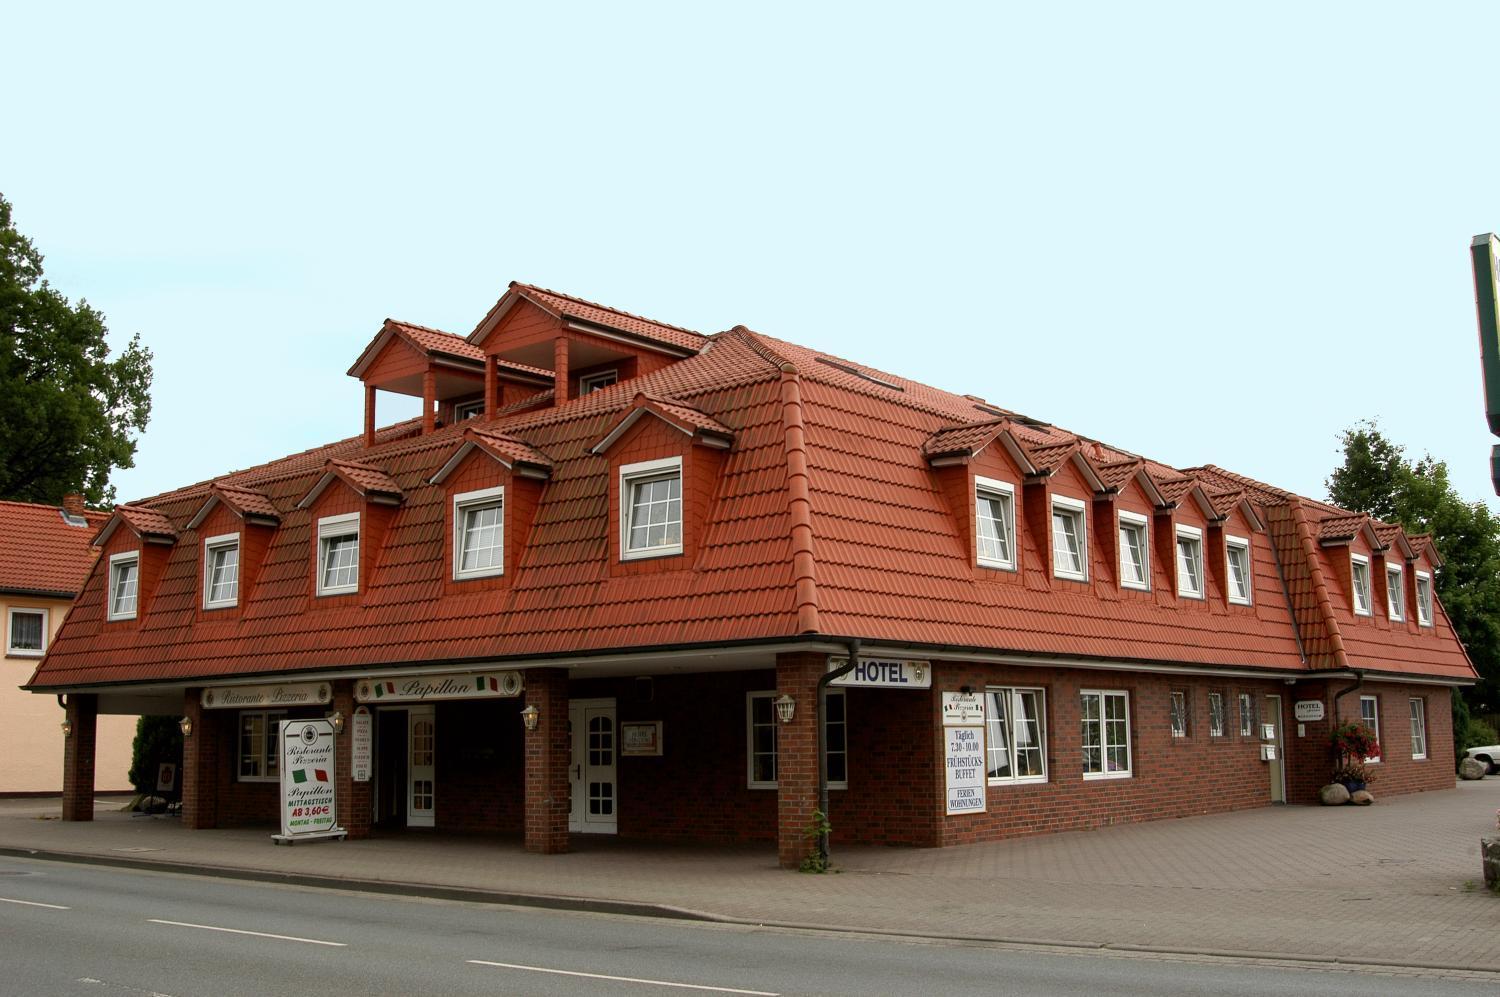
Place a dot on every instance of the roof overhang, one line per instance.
(701, 428)
(516, 456)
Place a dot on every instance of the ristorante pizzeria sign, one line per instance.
(241, 697)
(424, 688)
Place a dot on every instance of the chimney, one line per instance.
(72, 504)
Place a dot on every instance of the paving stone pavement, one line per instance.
(1394, 884)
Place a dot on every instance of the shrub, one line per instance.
(157, 740)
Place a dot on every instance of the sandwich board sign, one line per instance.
(307, 782)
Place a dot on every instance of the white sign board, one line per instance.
(962, 708)
(426, 688)
(307, 780)
(246, 697)
(964, 760)
(362, 743)
(883, 674)
(1308, 710)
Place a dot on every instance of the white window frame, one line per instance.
(1424, 608)
(1177, 712)
(270, 744)
(1075, 510)
(630, 476)
(1012, 694)
(1232, 543)
(1194, 536)
(1395, 596)
(117, 564)
(1418, 707)
(331, 528)
(1247, 714)
(1374, 726)
(11, 612)
(1218, 721)
(468, 410)
(212, 545)
(589, 383)
(1135, 521)
(1104, 743)
(771, 696)
(1005, 491)
(1360, 594)
(463, 503)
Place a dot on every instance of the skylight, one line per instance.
(849, 368)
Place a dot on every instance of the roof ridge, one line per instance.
(602, 307)
(799, 502)
(760, 347)
(424, 328)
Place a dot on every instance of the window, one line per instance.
(760, 739)
(26, 633)
(1359, 572)
(1418, 728)
(260, 745)
(1135, 558)
(1395, 595)
(124, 571)
(1069, 542)
(468, 410)
(1424, 599)
(1247, 715)
(1190, 562)
(479, 533)
(995, 523)
(338, 554)
(1369, 715)
(1237, 554)
(651, 508)
(221, 571)
(1106, 733)
(589, 383)
(1014, 735)
(1216, 714)
(1178, 710)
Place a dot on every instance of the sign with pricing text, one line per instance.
(307, 779)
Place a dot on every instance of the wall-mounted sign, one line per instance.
(361, 743)
(426, 688)
(962, 708)
(964, 760)
(249, 697)
(1308, 710)
(307, 781)
(883, 674)
(642, 737)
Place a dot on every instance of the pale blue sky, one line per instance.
(1197, 233)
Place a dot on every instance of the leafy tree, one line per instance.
(68, 413)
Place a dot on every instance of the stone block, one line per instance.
(1333, 795)
(1472, 768)
(1361, 798)
(1489, 855)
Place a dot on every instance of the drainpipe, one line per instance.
(1359, 681)
(822, 722)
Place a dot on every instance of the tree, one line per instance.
(68, 413)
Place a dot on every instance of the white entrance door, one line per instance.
(1272, 723)
(421, 739)
(592, 795)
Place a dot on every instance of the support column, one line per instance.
(797, 755)
(548, 752)
(352, 799)
(559, 370)
(78, 758)
(491, 382)
(200, 765)
(369, 415)
(429, 400)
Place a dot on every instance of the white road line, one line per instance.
(257, 934)
(33, 903)
(622, 979)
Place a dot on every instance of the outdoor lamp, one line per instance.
(186, 726)
(785, 707)
(530, 715)
(67, 728)
(337, 719)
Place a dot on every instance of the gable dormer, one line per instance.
(492, 484)
(1058, 500)
(352, 505)
(1124, 524)
(235, 525)
(1351, 543)
(980, 468)
(134, 545)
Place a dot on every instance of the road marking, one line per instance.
(33, 903)
(622, 979)
(241, 931)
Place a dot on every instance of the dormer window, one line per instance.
(1135, 552)
(589, 383)
(1424, 599)
(338, 554)
(1237, 555)
(651, 495)
(1395, 593)
(468, 410)
(995, 523)
(1190, 562)
(221, 571)
(124, 572)
(479, 533)
(1359, 574)
(1069, 540)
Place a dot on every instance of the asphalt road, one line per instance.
(105, 932)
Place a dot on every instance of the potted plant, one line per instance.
(1353, 742)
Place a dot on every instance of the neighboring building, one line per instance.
(657, 542)
(46, 552)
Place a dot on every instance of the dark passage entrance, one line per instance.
(391, 760)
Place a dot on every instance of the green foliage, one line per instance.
(68, 413)
(817, 833)
(157, 740)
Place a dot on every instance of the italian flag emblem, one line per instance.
(486, 683)
(383, 688)
(299, 776)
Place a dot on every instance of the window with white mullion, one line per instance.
(1135, 562)
(651, 508)
(1015, 750)
(1395, 593)
(1418, 728)
(1237, 558)
(1069, 540)
(1105, 718)
(26, 632)
(1424, 599)
(1189, 562)
(338, 548)
(124, 570)
(995, 532)
(479, 533)
(1369, 715)
(1359, 575)
(221, 570)
(260, 748)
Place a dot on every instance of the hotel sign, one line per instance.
(883, 674)
(428, 688)
(1308, 710)
(248, 697)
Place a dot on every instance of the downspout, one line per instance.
(822, 721)
(1359, 681)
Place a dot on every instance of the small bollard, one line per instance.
(1489, 855)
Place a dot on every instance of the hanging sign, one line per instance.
(964, 761)
(962, 708)
(361, 743)
(307, 781)
(883, 674)
(245, 697)
(1308, 710)
(426, 688)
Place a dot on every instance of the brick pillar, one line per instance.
(352, 799)
(200, 765)
(78, 758)
(559, 370)
(548, 753)
(429, 400)
(797, 755)
(369, 415)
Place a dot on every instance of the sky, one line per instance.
(1198, 232)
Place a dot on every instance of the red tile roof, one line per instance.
(593, 313)
(1341, 526)
(145, 521)
(42, 553)
(438, 341)
(246, 501)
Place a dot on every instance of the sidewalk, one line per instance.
(1397, 884)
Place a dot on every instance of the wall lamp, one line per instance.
(786, 708)
(186, 726)
(67, 728)
(337, 719)
(530, 716)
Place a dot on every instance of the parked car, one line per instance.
(1489, 754)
